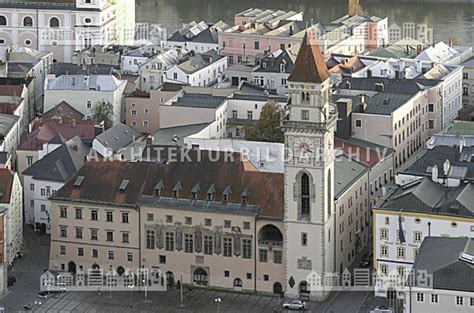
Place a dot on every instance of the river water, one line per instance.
(449, 20)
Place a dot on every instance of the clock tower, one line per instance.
(309, 173)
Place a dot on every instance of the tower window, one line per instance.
(305, 194)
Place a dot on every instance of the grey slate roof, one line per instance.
(404, 86)
(271, 62)
(437, 156)
(200, 205)
(203, 37)
(199, 100)
(382, 103)
(426, 196)
(60, 164)
(84, 82)
(165, 136)
(440, 257)
(7, 122)
(118, 136)
(346, 172)
(200, 61)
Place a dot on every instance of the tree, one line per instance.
(102, 111)
(268, 127)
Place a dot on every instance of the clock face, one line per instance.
(304, 149)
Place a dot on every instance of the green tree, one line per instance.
(102, 111)
(268, 127)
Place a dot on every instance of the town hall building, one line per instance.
(215, 220)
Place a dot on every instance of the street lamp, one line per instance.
(145, 282)
(131, 294)
(218, 301)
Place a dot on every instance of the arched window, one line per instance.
(28, 21)
(305, 194)
(54, 22)
(3, 20)
(329, 193)
(237, 282)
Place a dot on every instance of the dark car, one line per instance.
(11, 281)
(366, 260)
(43, 294)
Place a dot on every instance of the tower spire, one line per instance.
(309, 66)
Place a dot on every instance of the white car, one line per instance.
(295, 305)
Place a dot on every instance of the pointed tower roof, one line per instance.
(309, 66)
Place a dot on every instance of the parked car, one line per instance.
(382, 309)
(28, 306)
(11, 281)
(366, 260)
(295, 305)
(43, 294)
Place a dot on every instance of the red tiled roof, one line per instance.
(11, 90)
(8, 107)
(47, 128)
(362, 154)
(102, 180)
(309, 66)
(6, 183)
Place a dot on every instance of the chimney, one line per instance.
(73, 123)
(462, 143)
(98, 129)
(369, 73)
(291, 30)
(446, 167)
(434, 173)
(362, 105)
(344, 123)
(150, 140)
(60, 120)
(74, 81)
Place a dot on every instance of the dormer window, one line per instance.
(210, 192)
(244, 196)
(123, 185)
(282, 67)
(194, 192)
(78, 181)
(264, 64)
(158, 187)
(176, 189)
(226, 194)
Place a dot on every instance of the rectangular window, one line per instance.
(304, 239)
(471, 301)
(277, 256)
(208, 244)
(125, 237)
(94, 234)
(188, 220)
(162, 259)
(434, 298)
(130, 256)
(111, 255)
(249, 115)
(383, 233)
(459, 300)
(110, 216)
(32, 187)
(124, 217)
(417, 236)
(94, 215)
(149, 217)
(79, 214)
(207, 222)
(188, 243)
(80, 251)
(227, 224)
(227, 249)
(420, 297)
(110, 236)
(169, 218)
(63, 231)
(150, 239)
(246, 225)
(79, 233)
(62, 250)
(401, 252)
(247, 248)
(384, 251)
(63, 212)
(263, 255)
(169, 241)
(305, 115)
(358, 123)
(384, 269)
(256, 45)
(234, 113)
